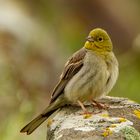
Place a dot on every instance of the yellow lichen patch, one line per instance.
(107, 132)
(49, 122)
(86, 116)
(105, 115)
(137, 113)
(113, 125)
(122, 120)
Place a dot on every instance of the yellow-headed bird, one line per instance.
(90, 73)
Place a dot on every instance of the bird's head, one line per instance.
(99, 41)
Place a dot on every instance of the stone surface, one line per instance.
(120, 122)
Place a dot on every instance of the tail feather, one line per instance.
(30, 127)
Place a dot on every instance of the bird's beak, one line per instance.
(90, 39)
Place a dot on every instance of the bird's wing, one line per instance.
(73, 65)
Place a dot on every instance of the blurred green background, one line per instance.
(37, 37)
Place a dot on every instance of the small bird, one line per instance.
(89, 74)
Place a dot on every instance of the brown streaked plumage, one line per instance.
(73, 65)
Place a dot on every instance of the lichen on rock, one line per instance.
(130, 133)
(116, 123)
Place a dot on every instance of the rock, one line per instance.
(120, 122)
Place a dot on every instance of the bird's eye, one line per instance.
(100, 39)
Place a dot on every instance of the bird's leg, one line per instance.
(83, 108)
(99, 105)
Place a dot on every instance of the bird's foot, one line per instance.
(99, 105)
(86, 114)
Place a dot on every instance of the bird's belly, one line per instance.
(86, 85)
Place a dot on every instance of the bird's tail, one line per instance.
(30, 127)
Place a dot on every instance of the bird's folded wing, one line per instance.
(72, 67)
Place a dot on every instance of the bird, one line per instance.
(89, 74)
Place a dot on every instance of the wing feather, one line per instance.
(73, 65)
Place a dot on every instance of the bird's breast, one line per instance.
(89, 82)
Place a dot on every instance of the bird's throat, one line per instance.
(98, 50)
